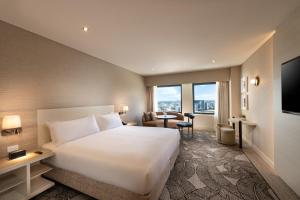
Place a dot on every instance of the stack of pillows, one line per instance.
(65, 131)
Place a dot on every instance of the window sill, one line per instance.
(211, 114)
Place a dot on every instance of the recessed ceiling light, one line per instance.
(85, 29)
(213, 61)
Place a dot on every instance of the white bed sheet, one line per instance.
(129, 157)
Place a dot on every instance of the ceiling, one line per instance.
(154, 36)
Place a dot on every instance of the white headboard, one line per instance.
(61, 114)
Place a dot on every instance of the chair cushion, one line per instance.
(184, 124)
(226, 130)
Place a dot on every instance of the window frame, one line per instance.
(175, 85)
(195, 84)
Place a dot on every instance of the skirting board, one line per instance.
(263, 156)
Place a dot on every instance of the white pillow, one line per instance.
(109, 121)
(65, 131)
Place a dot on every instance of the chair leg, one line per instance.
(180, 131)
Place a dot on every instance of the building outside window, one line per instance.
(204, 98)
(168, 98)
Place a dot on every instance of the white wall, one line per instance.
(235, 91)
(286, 126)
(201, 121)
(261, 138)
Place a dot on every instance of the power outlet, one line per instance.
(12, 148)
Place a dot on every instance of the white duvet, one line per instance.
(129, 157)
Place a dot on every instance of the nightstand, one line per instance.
(132, 124)
(21, 178)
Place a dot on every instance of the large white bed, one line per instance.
(131, 162)
(129, 157)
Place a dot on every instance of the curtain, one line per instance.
(216, 108)
(150, 98)
(223, 102)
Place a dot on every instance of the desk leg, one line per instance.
(240, 134)
(166, 123)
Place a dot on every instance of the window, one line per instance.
(168, 98)
(204, 98)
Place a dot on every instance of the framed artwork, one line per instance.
(244, 84)
(244, 102)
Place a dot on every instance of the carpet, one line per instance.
(203, 170)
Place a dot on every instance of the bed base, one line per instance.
(105, 191)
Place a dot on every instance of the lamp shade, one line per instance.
(11, 121)
(255, 81)
(125, 108)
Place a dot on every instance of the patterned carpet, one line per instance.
(203, 170)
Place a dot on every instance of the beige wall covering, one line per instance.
(286, 126)
(260, 138)
(235, 91)
(38, 73)
(189, 77)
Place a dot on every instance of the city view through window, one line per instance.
(168, 98)
(204, 98)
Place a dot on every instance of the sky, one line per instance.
(205, 92)
(168, 93)
(202, 92)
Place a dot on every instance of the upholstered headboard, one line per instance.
(61, 114)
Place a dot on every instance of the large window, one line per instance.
(204, 99)
(168, 98)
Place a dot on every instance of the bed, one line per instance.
(122, 163)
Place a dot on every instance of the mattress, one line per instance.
(129, 157)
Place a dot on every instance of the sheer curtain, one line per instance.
(150, 98)
(222, 103)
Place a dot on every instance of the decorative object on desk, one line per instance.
(245, 105)
(11, 124)
(244, 84)
(16, 154)
(255, 81)
(124, 110)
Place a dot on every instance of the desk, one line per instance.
(241, 121)
(165, 118)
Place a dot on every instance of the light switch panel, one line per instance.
(12, 148)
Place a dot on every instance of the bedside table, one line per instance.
(132, 124)
(21, 178)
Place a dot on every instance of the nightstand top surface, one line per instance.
(7, 165)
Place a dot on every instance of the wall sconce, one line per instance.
(124, 110)
(255, 81)
(11, 124)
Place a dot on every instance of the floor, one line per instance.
(203, 170)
